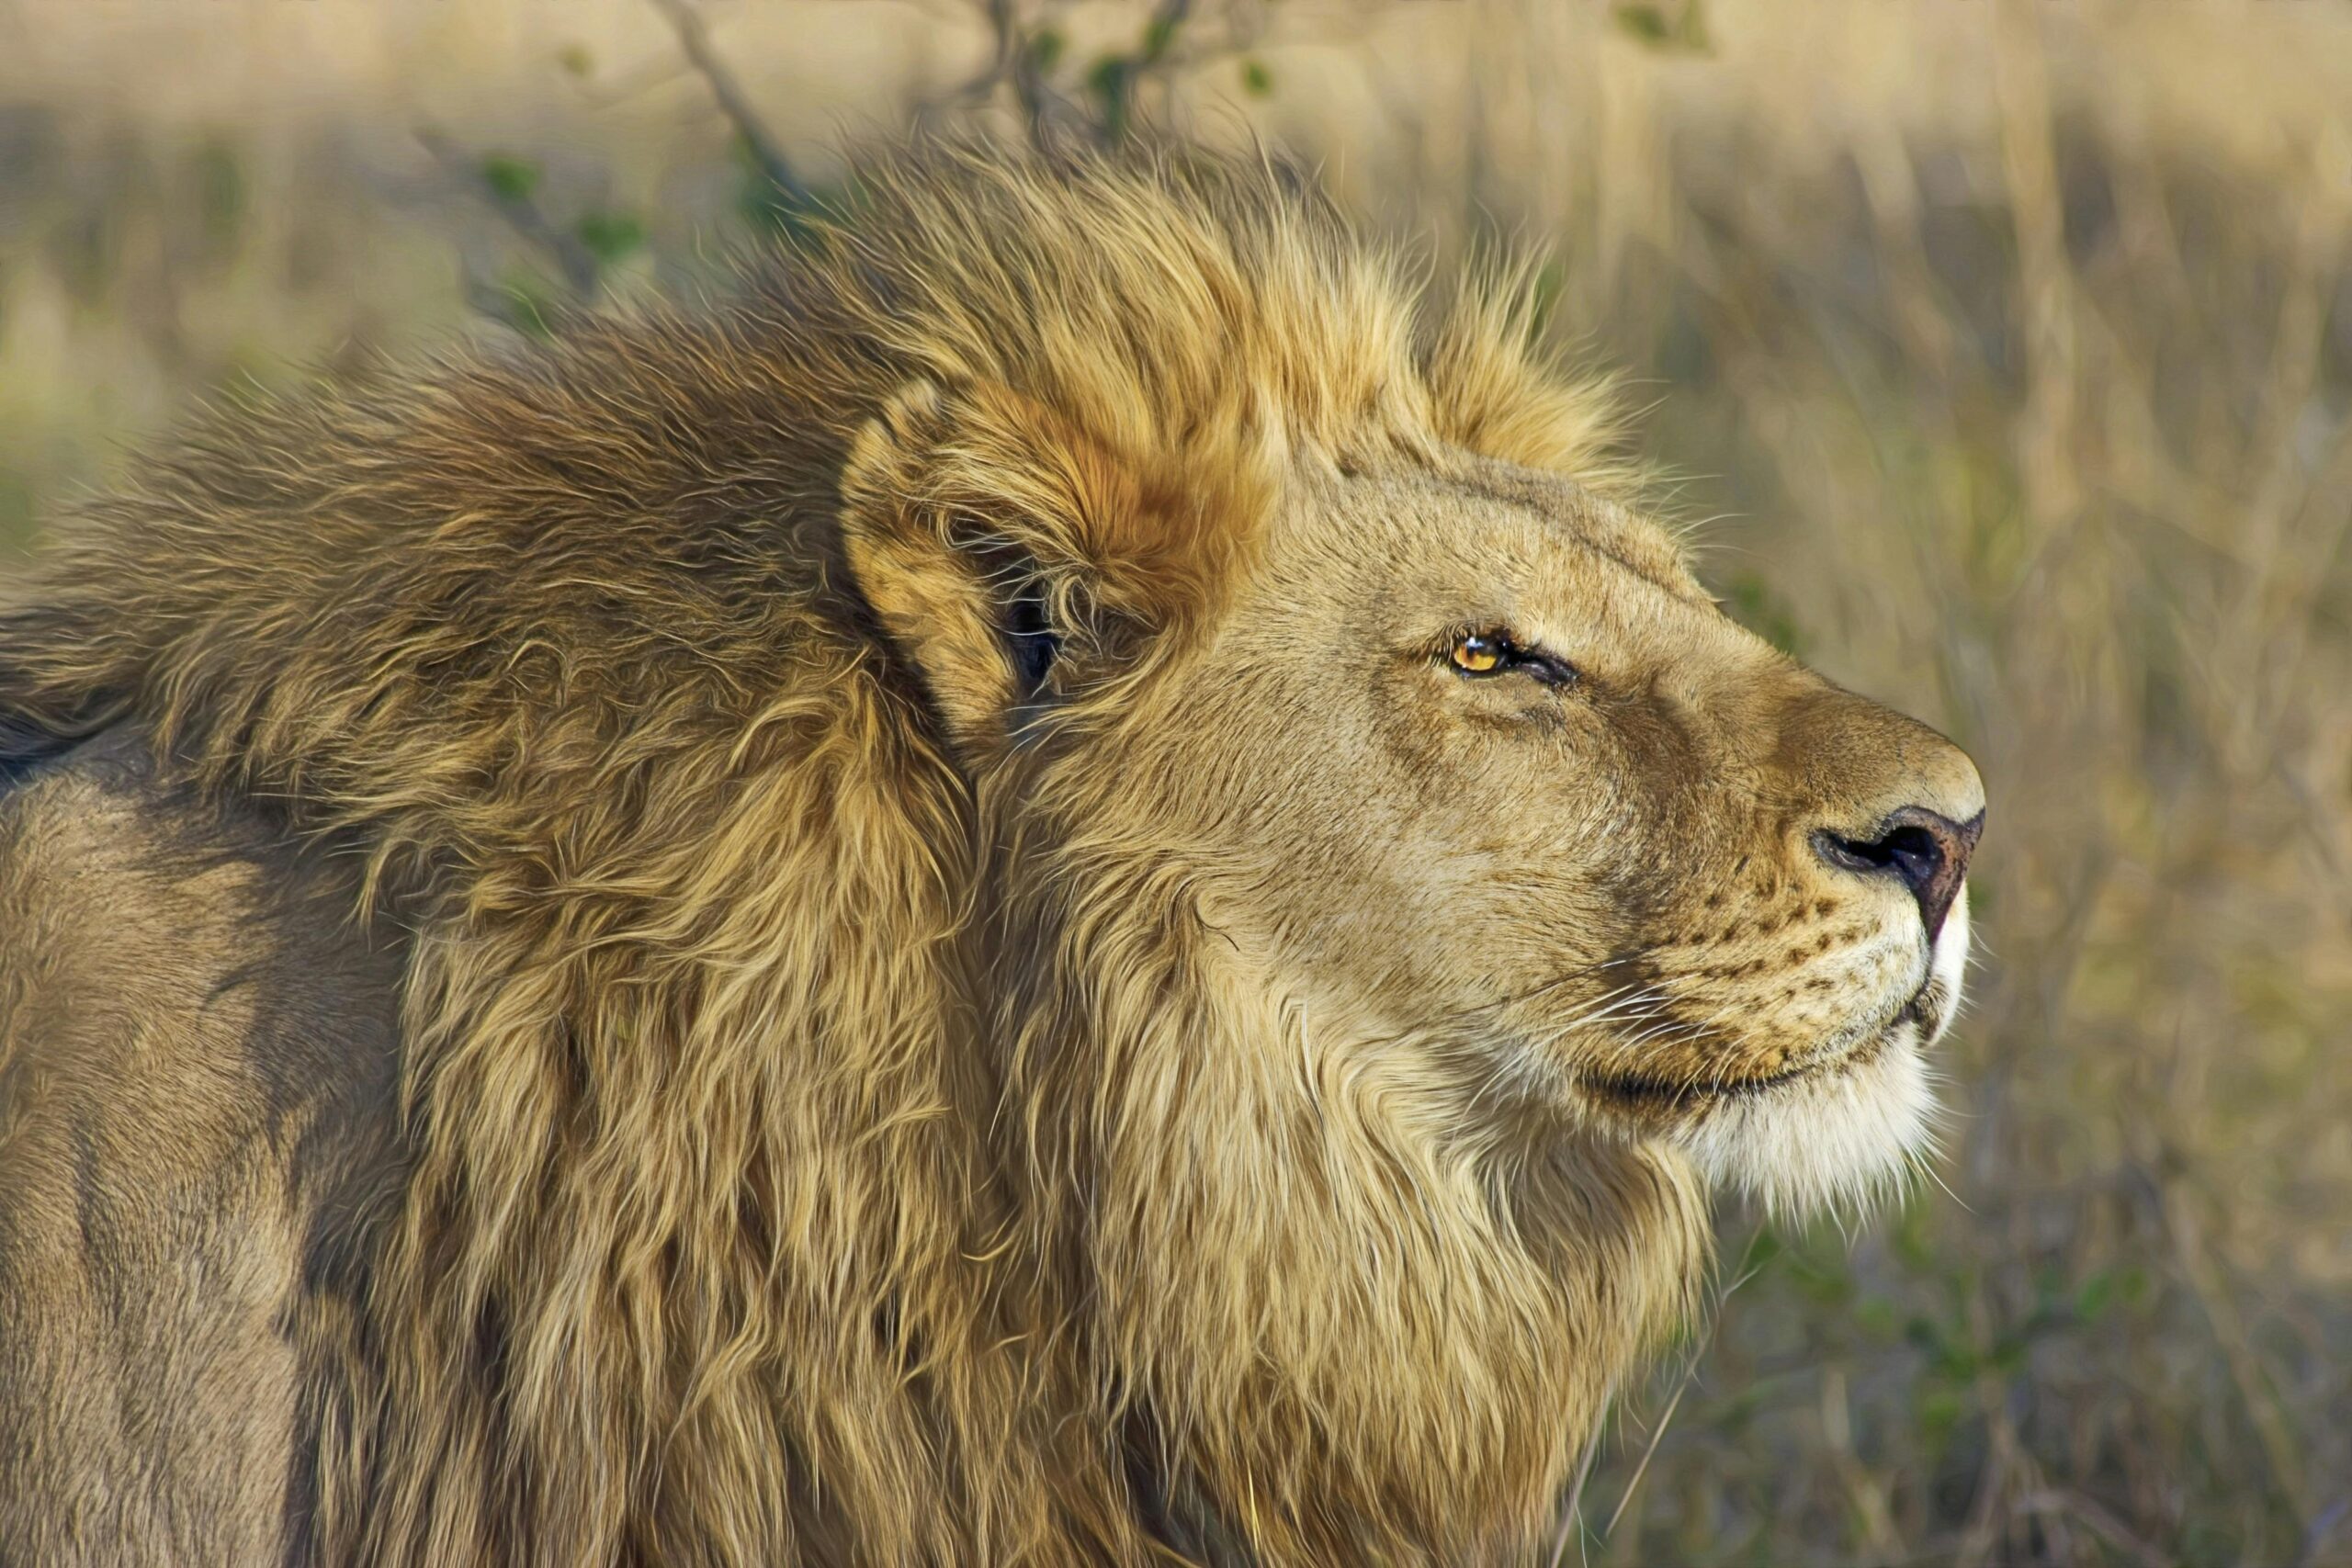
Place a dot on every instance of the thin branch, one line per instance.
(573, 259)
(1166, 18)
(694, 42)
(1741, 1274)
(1650, 1453)
(1572, 1512)
(2074, 1505)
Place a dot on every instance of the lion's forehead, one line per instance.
(1511, 536)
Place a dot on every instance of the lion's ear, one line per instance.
(994, 539)
(934, 607)
(950, 590)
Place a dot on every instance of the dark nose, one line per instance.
(1926, 850)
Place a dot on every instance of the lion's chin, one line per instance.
(1844, 1138)
(1851, 1133)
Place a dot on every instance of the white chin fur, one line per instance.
(1847, 1137)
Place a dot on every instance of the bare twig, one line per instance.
(1040, 105)
(1742, 1272)
(2102, 1523)
(1572, 1512)
(1658, 1436)
(694, 42)
(1154, 58)
(1021, 60)
(573, 258)
(1013, 62)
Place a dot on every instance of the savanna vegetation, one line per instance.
(1999, 358)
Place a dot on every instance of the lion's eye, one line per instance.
(1479, 653)
(1494, 652)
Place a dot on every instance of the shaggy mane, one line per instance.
(746, 1222)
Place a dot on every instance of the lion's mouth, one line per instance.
(1638, 1092)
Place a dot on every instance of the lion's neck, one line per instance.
(1348, 1324)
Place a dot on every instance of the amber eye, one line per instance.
(1493, 652)
(1479, 653)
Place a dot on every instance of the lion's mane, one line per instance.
(768, 1203)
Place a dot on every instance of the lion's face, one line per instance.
(1471, 767)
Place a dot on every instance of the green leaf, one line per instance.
(1938, 1412)
(1256, 80)
(1544, 296)
(220, 191)
(762, 204)
(1694, 36)
(1111, 81)
(1045, 49)
(2131, 1284)
(528, 302)
(1909, 1238)
(1646, 23)
(509, 178)
(610, 236)
(2095, 1296)
(1757, 606)
(1682, 31)
(1157, 36)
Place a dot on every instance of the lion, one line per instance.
(1072, 882)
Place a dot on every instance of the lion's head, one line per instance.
(1463, 761)
(1122, 886)
(1380, 808)
(1447, 749)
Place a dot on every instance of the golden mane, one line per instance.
(784, 1188)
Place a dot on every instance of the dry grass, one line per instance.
(2010, 350)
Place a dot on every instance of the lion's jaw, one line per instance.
(1851, 1127)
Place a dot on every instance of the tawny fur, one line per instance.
(827, 1146)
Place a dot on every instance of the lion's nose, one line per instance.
(1924, 849)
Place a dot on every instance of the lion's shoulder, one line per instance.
(197, 1064)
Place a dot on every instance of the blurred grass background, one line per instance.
(2005, 350)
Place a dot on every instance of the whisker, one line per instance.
(1543, 988)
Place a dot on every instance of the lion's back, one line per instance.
(198, 1057)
